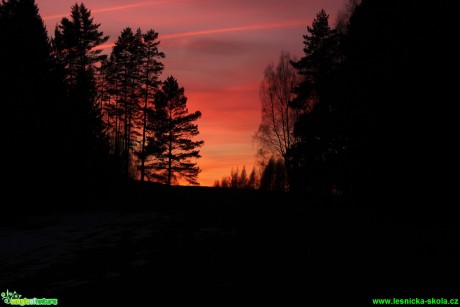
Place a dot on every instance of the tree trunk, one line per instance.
(143, 143)
(144, 127)
(170, 150)
(169, 164)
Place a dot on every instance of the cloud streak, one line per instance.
(288, 23)
(265, 26)
(119, 8)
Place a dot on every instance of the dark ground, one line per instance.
(226, 248)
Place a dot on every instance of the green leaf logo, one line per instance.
(8, 296)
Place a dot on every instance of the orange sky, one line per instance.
(217, 49)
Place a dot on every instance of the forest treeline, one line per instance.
(369, 107)
(79, 121)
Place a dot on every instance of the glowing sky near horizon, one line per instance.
(217, 49)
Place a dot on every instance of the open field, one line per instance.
(224, 248)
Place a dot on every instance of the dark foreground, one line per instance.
(226, 248)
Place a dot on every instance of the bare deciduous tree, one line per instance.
(275, 134)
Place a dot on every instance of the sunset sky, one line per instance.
(217, 49)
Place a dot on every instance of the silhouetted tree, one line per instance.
(234, 178)
(237, 180)
(26, 86)
(320, 138)
(315, 63)
(132, 73)
(225, 182)
(275, 134)
(266, 181)
(150, 68)
(274, 176)
(126, 61)
(75, 44)
(110, 101)
(171, 145)
(243, 180)
(75, 51)
(253, 180)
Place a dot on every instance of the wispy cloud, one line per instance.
(282, 24)
(119, 8)
(105, 46)
(264, 26)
